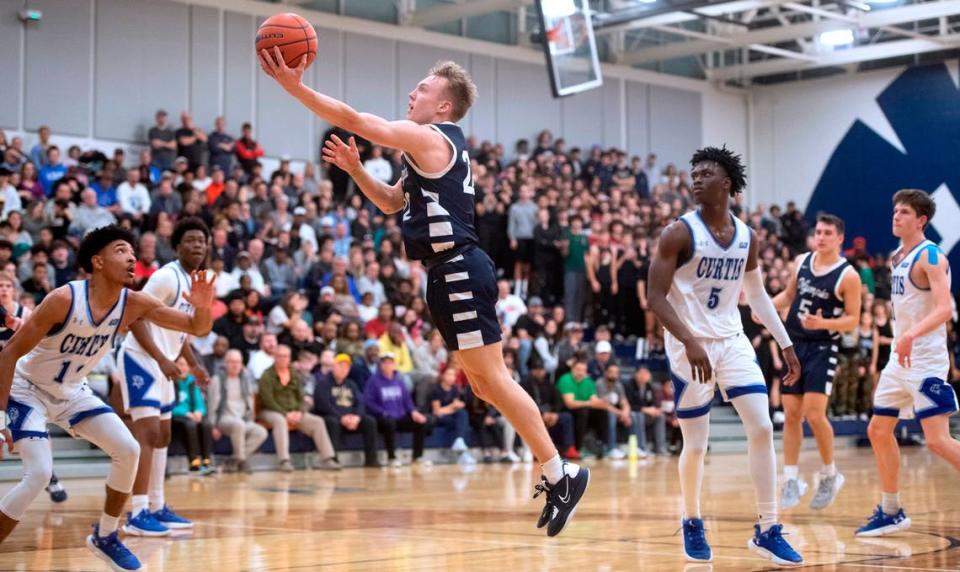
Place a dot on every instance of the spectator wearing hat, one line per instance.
(282, 406)
(549, 401)
(368, 363)
(389, 401)
(247, 149)
(231, 324)
(603, 357)
(231, 410)
(304, 231)
(245, 267)
(338, 399)
(163, 144)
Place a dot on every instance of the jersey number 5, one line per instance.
(713, 300)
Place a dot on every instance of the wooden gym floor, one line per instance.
(443, 518)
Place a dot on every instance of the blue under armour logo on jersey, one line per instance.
(923, 108)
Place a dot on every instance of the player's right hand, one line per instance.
(273, 65)
(793, 366)
(699, 362)
(344, 156)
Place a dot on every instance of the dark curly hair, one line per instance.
(731, 163)
(188, 224)
(98, 239)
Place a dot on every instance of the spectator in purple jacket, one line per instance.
(388, 400)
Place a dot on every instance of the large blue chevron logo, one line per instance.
(922, 106)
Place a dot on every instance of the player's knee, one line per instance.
(876, 431)
(126, 450)
(762, 429)
(163, 435)
(792, 416)
(940, 444)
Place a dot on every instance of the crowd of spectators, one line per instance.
(321, 321)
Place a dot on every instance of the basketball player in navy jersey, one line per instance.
(435, 194)
(703, 262)
(12, 315)
(43, 370)
(823, 298)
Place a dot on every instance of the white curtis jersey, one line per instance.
(61, 361)
(706, 288)
(168, 284)
(912, 303)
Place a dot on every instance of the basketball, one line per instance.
(292, 34)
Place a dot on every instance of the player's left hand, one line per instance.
(273, 65)
(904, 350)
(793, 366)
(202, 291)
(812, 321)
(344, 156)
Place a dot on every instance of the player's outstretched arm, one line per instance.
(763, 307)
(146, 307)
(52, 311)
(142, 335)
(412, 138)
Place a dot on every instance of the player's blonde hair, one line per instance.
(463, 92)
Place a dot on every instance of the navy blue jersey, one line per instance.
(5, 332)
(816, 292)
(438, 214)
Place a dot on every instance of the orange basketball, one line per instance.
(292, 34)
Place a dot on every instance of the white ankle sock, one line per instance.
(768, 515)
(140, 504)
(157, 473)
(890, 503)
(108, 524)
(554, 469)
(829, 470)
(791, 471)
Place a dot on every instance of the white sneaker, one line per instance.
(423, 462)
(512, 457)
(466, 459)
(617, 454)
(459, 445)
(396, 463)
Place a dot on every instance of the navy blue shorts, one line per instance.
(462, 297)
(818, 367)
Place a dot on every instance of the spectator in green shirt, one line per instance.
(589, 411)
(574, 247)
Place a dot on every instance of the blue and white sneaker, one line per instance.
(695, 546)
(170, 519)
(772, 546)
(112, 551)
(882, 524)
(144, 524)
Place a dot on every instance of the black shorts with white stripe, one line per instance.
(818, 367)
(462, 297)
